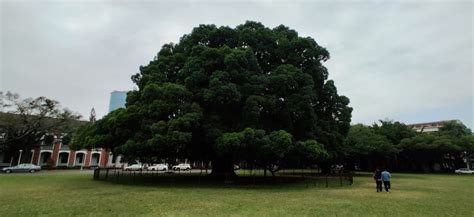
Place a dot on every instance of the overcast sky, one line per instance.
(410, 61)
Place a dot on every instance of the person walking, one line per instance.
(378, 179)
(386, 176)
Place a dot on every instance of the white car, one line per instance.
(158, 167)
(133, 167)
(31, 168)
(464, 171)
(181, 167)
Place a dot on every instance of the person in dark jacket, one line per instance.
(378, 179)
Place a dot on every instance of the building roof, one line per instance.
(430, 123)
(429, 126)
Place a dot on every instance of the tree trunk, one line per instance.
(325, 167)
(351, 165)
(223, 169)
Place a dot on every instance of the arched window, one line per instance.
(45, 156)
(79, 159)
(63, 158)
(95, 159)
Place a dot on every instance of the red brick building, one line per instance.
(59, 155)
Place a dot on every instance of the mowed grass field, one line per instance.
(69, 194)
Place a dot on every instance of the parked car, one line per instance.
(464, 171)
(337, 168)
(22, 168)
(133, 167)
(181, 167)
(158, 167)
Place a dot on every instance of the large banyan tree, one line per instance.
(226, 95)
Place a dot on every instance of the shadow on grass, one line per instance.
(241, 182)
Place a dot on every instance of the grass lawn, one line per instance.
(77, 194)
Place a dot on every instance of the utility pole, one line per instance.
(467, 160)
(19, 158)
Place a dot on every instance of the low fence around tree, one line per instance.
(245, 177)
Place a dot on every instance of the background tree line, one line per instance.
(26, 123)
(399, 147)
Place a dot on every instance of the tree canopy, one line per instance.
(363, 141)
(229, 94)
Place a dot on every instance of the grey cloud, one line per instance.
(389, 58)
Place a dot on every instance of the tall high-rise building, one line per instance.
(117, 100)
